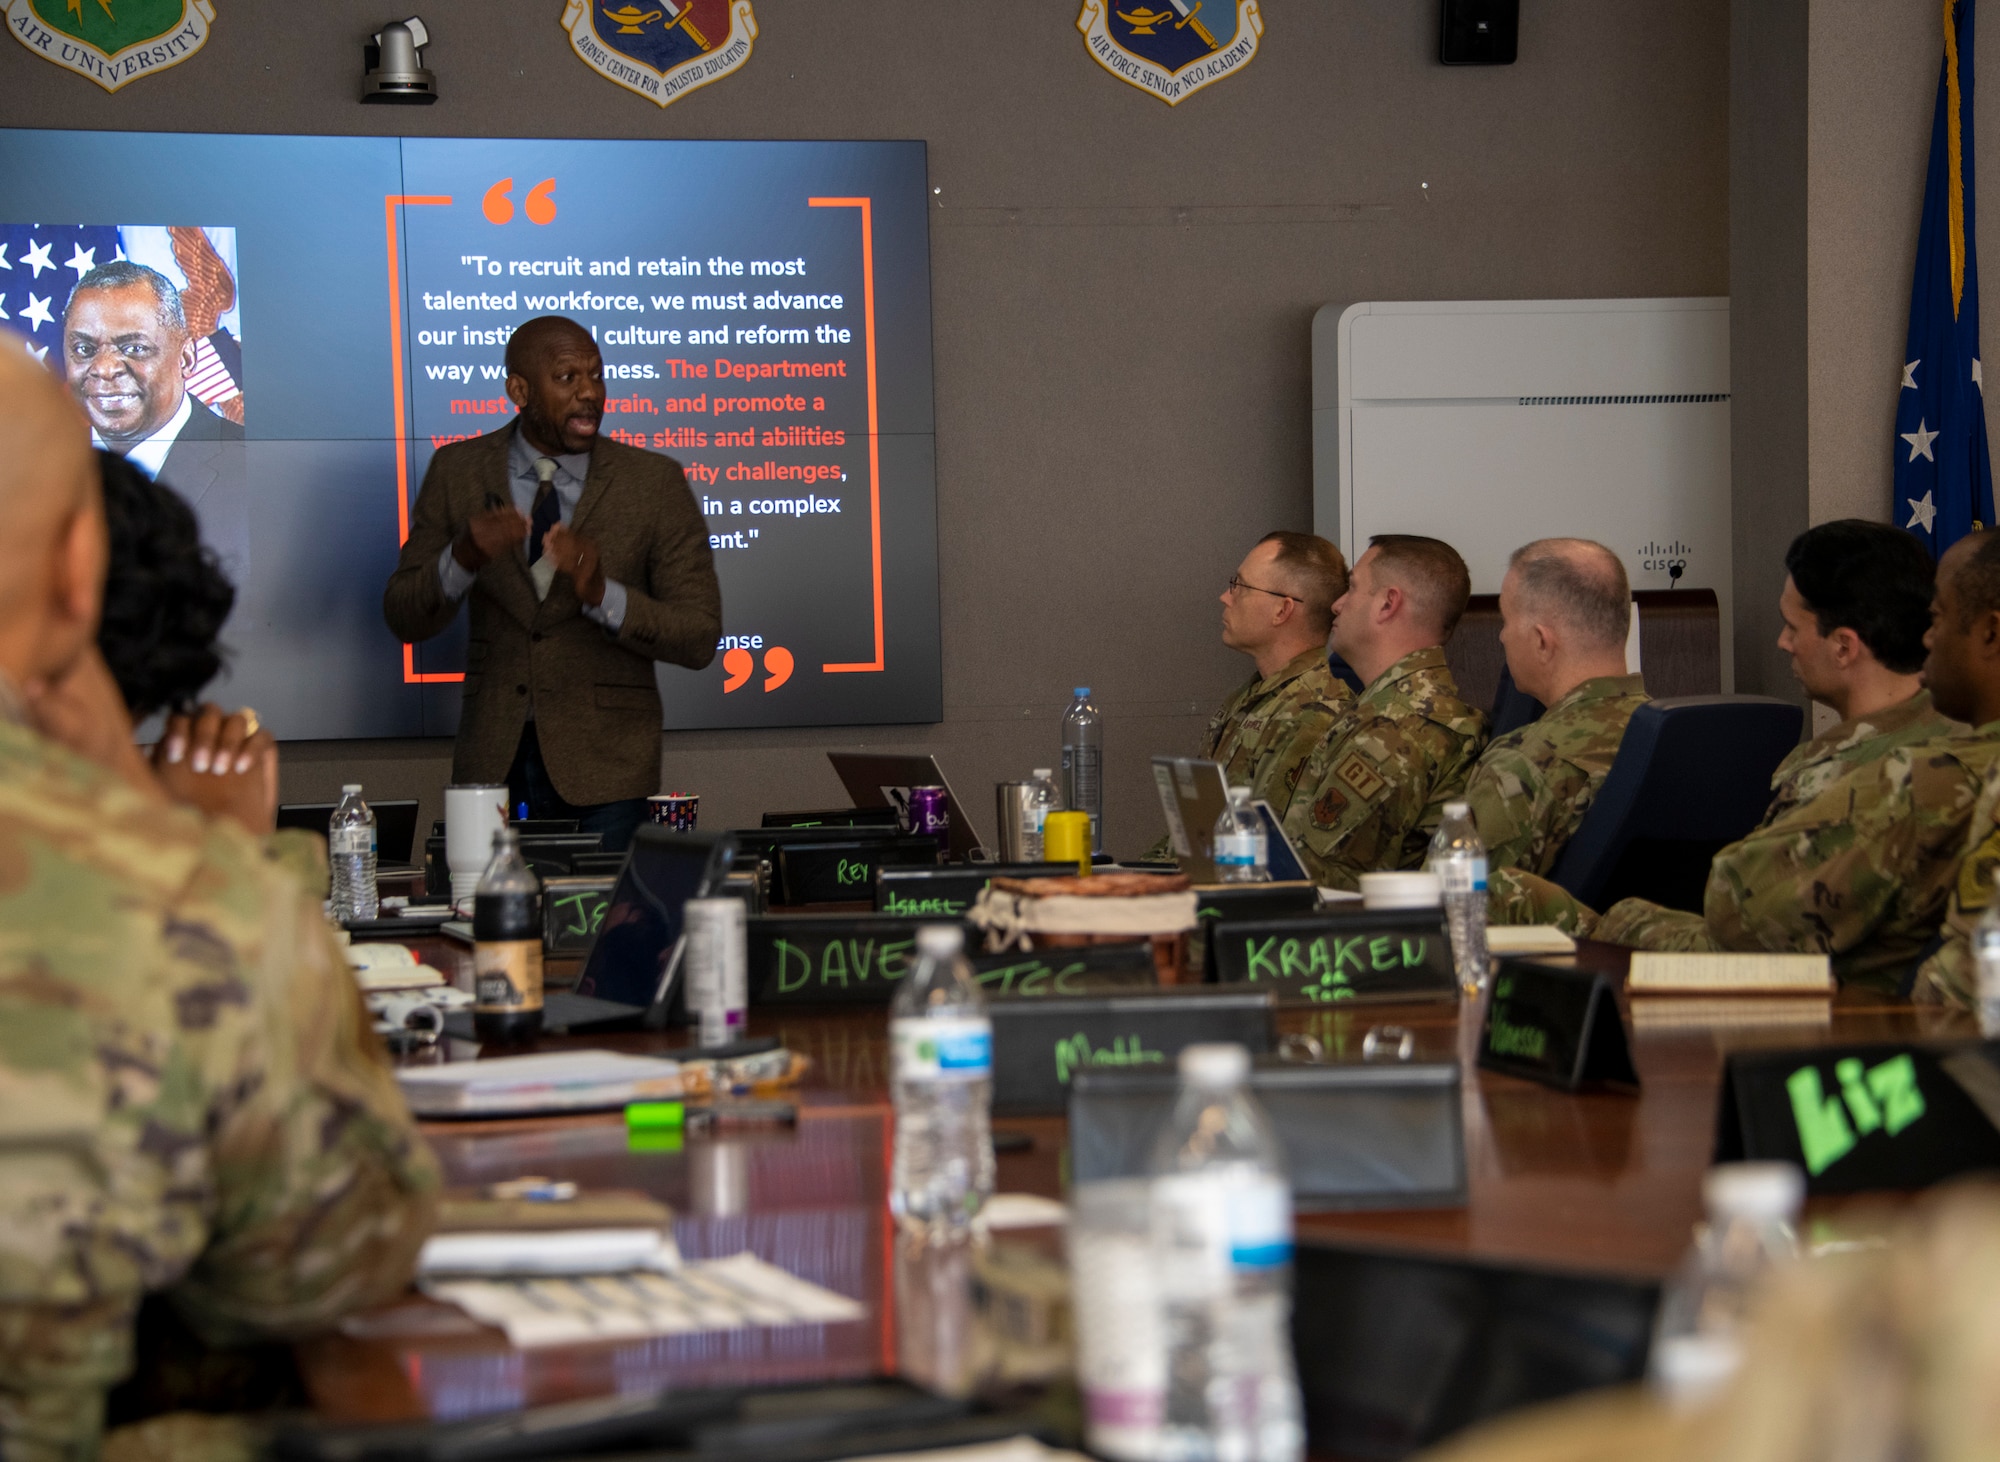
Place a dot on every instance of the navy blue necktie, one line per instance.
(548, 507)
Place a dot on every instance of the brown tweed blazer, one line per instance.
(597, 706)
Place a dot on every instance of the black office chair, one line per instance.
(1693, 774)
(1513, 707)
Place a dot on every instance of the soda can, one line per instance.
(717, 969)
(930, 814)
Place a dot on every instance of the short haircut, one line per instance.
(122, 272)
(165, 598)
(1872, 579)
(532, 341)
(1430, 573)
(1313, 569)
(1977, 578)
(1579, 584)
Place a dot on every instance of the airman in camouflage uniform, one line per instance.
(192, 1103)
(1949, 975)
(1532, 786)
(1374, 792)
(1266, 732)
(1854, 859)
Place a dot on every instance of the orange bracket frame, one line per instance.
(866, 205)
(390, 204)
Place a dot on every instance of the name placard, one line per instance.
(1039, 1046)
(844, 872)
(947, 891)
(833, 817)
(573, 912)
(847, 960)
(858, 959)
(1864, 1117)
(1215, 902)
(1558, 1026)
(1402, 954)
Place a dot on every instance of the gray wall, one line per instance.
(1122, 290)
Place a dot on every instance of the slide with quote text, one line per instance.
(342, 311)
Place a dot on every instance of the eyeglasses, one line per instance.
(1236, 584)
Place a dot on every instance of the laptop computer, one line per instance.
(877, 779)
(395, 825)
(629, 976)
(1192, 796)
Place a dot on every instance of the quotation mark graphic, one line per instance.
(737, 666)
(498, 204)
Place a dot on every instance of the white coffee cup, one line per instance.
(1401, 891)
(472, 814)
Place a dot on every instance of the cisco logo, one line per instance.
(1670, 559)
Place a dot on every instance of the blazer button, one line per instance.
(520, 690)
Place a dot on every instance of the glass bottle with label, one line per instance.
(507, 946)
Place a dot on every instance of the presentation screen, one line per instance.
(339, 309)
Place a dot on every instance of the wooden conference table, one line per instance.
(1599, 1183)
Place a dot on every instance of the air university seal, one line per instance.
(111, 41)
(1172, 48)
(662, 49)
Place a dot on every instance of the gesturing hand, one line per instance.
(576, 557)
(487, 536)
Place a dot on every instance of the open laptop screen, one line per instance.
(641, 933)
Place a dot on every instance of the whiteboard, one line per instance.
(1491, 423)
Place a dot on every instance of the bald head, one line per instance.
(1578, 585)
(52, 555)
(535, 341)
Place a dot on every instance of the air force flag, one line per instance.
(1944, 482)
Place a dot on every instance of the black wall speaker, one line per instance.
(1479, 32)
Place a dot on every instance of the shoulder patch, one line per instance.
(1358, 773)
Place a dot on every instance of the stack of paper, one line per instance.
(390, 967)
(1730, 974)
(563, 1251)
(713, 1294)
(549, 1081)
(1504, 940)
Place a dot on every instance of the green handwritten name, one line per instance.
(852, 870)
(1319, 966)
(1032, 977)
(899, 905)
(840, 962)
(1073, 1053)
(581, 914)
(1884, 1098)
(1504, 1038)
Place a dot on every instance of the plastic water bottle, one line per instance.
(1222, 1257)
(1042, 800)
(1459, 860)
(1986, 968)
(350, 848)
(1698, 1338)
(1242, 848)
(1083, 763)
(941, 1074)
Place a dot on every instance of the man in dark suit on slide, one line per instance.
(127, 356)
(587, 561)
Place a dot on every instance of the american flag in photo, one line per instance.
(40, 263)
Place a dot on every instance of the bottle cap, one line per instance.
(1239, 794)
(1215, 1063)
(1083, 690)
(1458, 809)
(1043, 772)
(1766, 1190)
(350, 789)
(940, 941)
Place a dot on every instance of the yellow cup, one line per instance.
(1066, 839)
